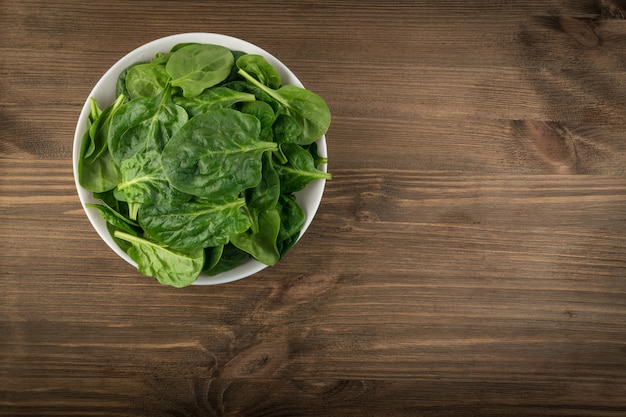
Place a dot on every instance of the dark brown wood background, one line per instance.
(468, 258)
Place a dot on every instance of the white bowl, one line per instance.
(104, 92)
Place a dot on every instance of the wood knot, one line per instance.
(366, 216)
(304, 288)
(552, 144)
(259, 361)
(610, 10)
(581, 31)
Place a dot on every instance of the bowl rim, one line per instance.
(103, 91)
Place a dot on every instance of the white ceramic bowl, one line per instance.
(104, 92)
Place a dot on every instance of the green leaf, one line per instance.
(143, 124)
(195, 67)
(99, 176)
(212, 257)
(212, 99)
(143, 181)
(317, 158)
(120, 85)
(259, 68)
(261, 245)
(264, 196)
(216, 154)
(291, 215)
(194, 224)
(99, 130)
(146, 80)
(307, 108)
(231, 257)
(97, 171)
(260, 95)
(300, 169)
(115, 218)
(264, 112)
(168, 266)
(286, 129)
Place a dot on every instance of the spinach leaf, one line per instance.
(168, 266)
(216, 154)
(88, 146)
(234, 75)
(299, 170)
(162, 58)
(259, 68)
(317, 158)
(146, 80)
(108, 198)
(307, 108)
(143, 181)
(291, 215)
(97, 171)
(264, 196)
(99, 130)
(94, 176)
(262, 244)
(212, 256)
(231, 258)
(120, 85)
(144, 124)
(194, 224)
(115, 218)
(212, 99)
(286, 129)
(195, 67)
(264, 112)
(246, 87)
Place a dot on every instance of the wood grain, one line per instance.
(468, 257)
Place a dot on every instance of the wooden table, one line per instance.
(468, 257)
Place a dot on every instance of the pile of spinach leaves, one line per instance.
(196, 163)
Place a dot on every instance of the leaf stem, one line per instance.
(270, 91)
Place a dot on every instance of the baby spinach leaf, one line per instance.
(212, 256)
(168, 266)
(234, 76)
(143, 124)
(212, 99)
(231, 258)
(317, 158)
(194, 224)
(216, 154)
(146, 80)
(286, 129)
(162, 58)
(246, 87)
(307, 108)
(292, 217)
(99, 130)
(100, 175)
(195, 67)
(262, 244)
(299, 170)
(97, 171)
(115, 218)
(143, 181)
(264, 196)
(264, 112)
(120, 85)
(259, 68)
(88, 146)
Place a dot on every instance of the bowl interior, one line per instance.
(104, 92)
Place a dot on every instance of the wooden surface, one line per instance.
(468, 258)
